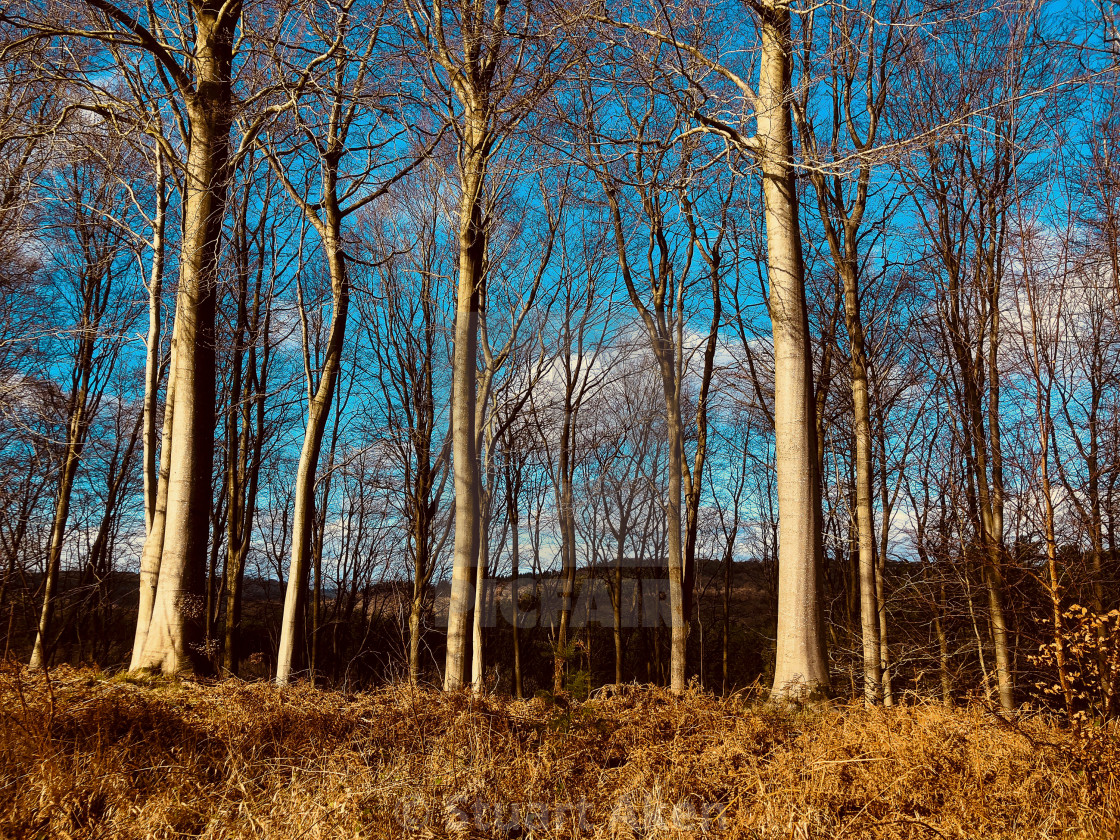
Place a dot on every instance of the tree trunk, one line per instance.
(994, 573)
(513, 492)
(678, 650)
(801, 667)
(868, 591)
(728, 559)
(155, 482)
(176, 624)
(152, 363)
(250, 472)
(478, 656)
(421, 565)
(616, 589)
(567, 547)
(318, 411)
(75, 440)
(885, 669)
(472, 246)
(152, 552)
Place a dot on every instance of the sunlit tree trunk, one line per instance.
(177, 614)
(152, 363)
(152, 552)
(318, 411)
(801, 667)
(155, 478)
(869, 602)
(472, 248)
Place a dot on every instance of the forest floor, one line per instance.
(83, 755)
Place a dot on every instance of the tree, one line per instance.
(403, 319)
(253, 255)
(489, 75)
(964, 184)
(856, 61)
(92, 261)
(346, 51)
(708, 86)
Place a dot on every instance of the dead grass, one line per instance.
(82, 756)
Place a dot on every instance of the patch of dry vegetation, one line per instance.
(82, 756)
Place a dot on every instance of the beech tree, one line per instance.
(671, 400)
(489, 75)
(711, 85)
(853, 68)
(340, 95)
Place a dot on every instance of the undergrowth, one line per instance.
(82, 756)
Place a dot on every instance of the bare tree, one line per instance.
(964, 186)
(405, 325)
(92, 261)
(489, 75)
(346, 51)
(856, 61)
(712, 89)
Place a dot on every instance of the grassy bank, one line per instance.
(84, 756)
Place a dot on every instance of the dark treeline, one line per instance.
(542, 346)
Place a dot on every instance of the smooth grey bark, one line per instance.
(318, 411)
(801, 667)
(170, 643)
(155, 472)
(864, 516)
(465, 464)
(152, 366)
(152, 552)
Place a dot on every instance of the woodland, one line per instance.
(675, 391)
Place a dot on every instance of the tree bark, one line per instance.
(801, 668)
(318, 412)
(868, 590)
(152, 362)
(75, 442)
(155, 481)
(472, 248)
(176, 626)
(152, 552)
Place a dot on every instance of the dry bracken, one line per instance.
(88, 757)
